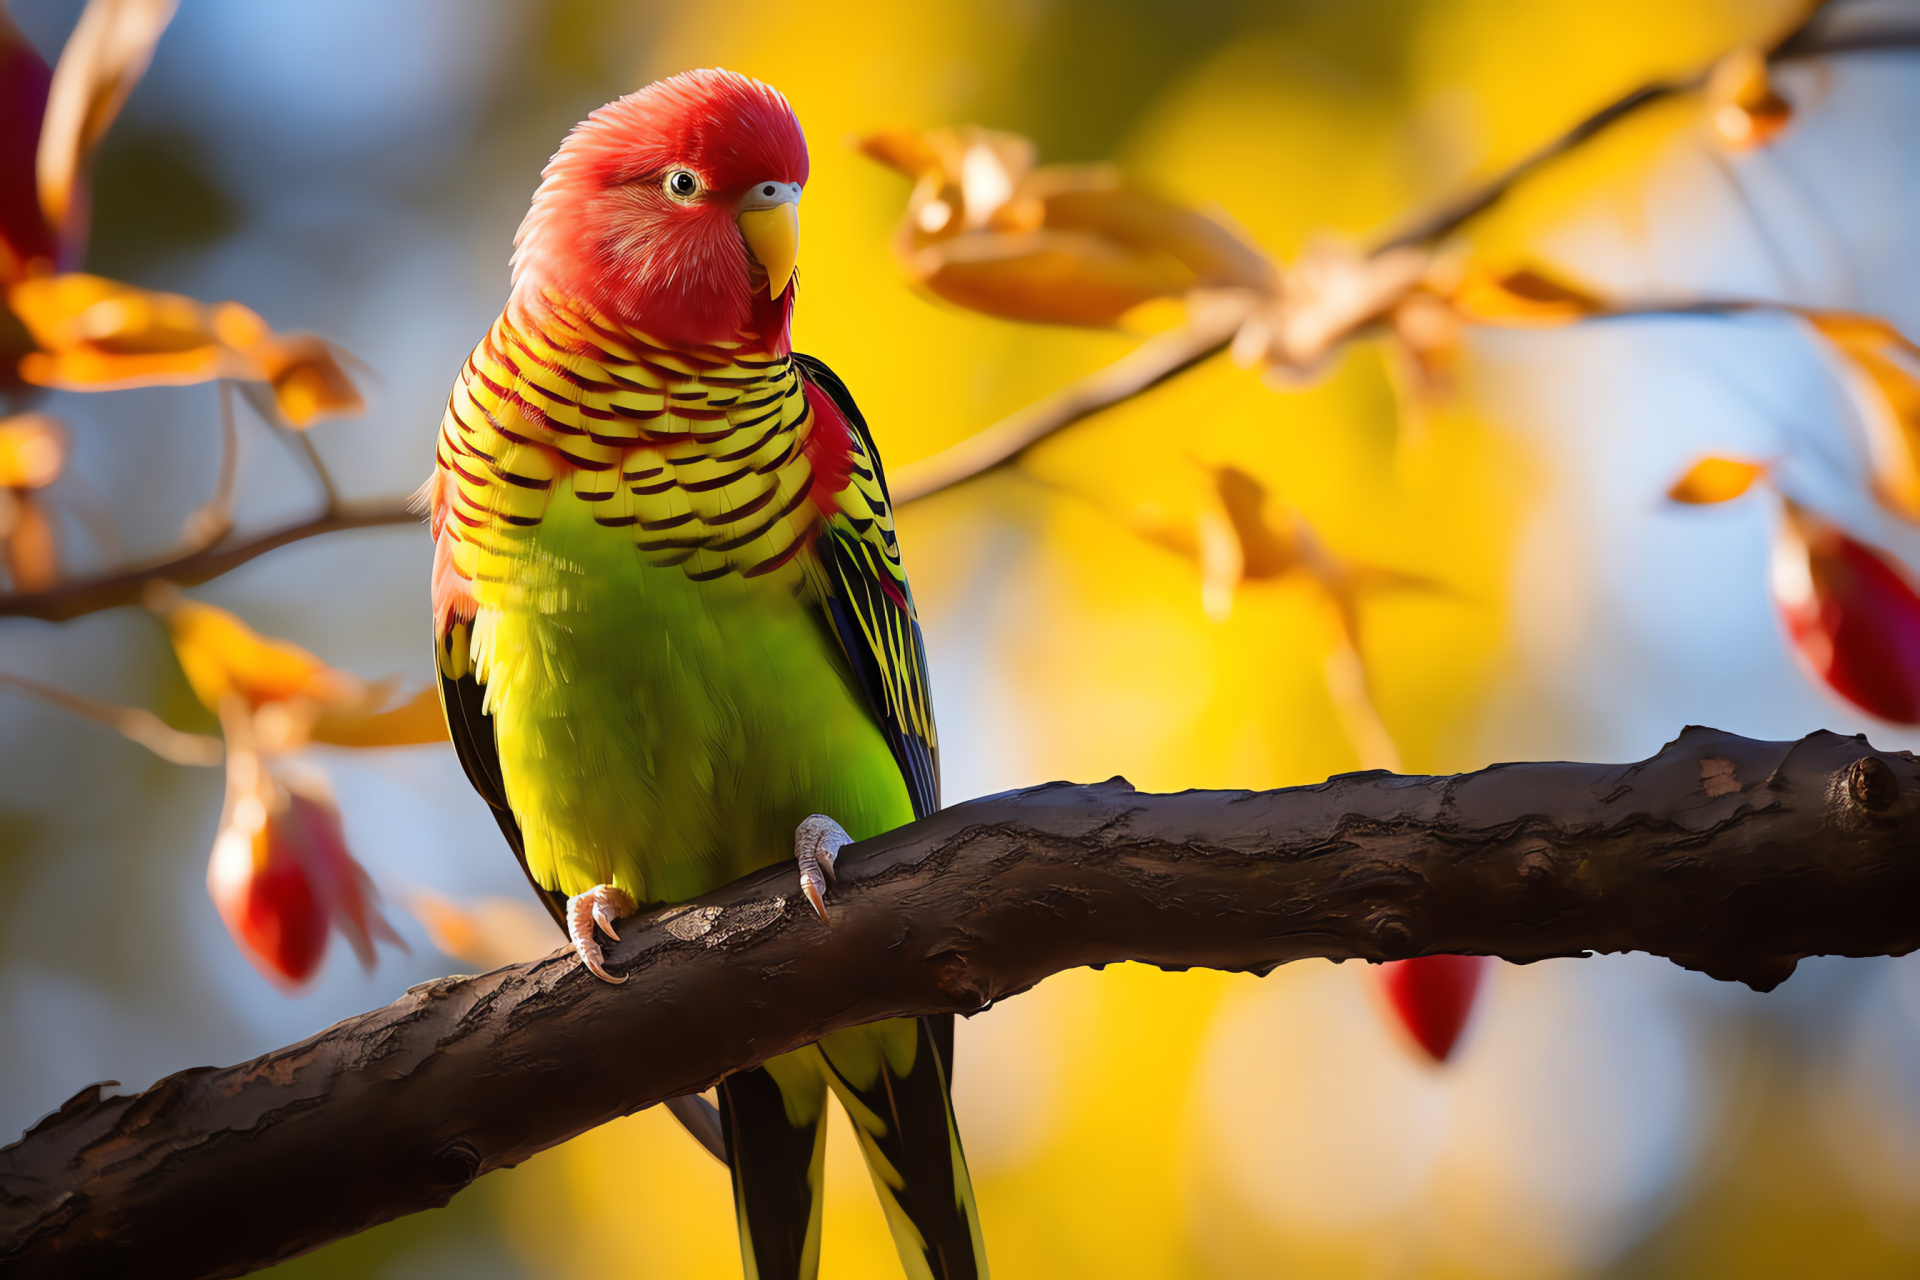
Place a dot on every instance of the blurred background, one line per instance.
(357, 167)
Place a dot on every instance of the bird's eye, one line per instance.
(682, 184)
(767, 190)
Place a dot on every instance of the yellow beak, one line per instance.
(773, 237)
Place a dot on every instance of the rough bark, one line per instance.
(1724, 854)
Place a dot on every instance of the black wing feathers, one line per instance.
(464, 699)
(859, 610)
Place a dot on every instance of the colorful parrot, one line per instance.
(675, 639)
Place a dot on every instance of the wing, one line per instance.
(464, 700)
(869, 606)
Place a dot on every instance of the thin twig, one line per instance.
(1147, 365)
(320, 472)
(133, 723)
(1803, 41)
(214, 520)
(1159, 359)
(109, 591)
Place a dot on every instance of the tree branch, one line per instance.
(108, 591)
(1724, 854)
(1823, 32)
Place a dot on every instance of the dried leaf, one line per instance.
(1268, 540)
(417, 719)
(1742, 103)
(1885, 388)
(33, 447)
(25, 238)
(1046, 277)
(103, 59)
(307, 380)
(97, 334)
(1061, 244)
(1712, 480)
(1852, 614)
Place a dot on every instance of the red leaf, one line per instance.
(1434, 996)
(24, 78)
(265, 894)
(1852, 613)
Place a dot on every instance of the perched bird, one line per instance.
(674, 636)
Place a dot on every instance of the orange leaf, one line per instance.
(307, 380)
(1526, 296)
(1062, 244)
(104, 58)
(904, 150)
(1047, 277)
(1147, 225)
(418, 719)
(223, 658)
(97, 334)
(33, 447)
(1712, 480)
(1886, 390)
(1745, 108)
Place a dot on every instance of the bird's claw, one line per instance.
(817, 842)
(600, 905)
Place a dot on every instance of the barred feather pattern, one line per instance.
(718, 460)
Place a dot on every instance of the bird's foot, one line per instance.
(601, 905)
(817, 842)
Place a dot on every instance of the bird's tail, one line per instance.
(892, 1077)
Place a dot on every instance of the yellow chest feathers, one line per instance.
(701, 458)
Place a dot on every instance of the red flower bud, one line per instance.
(1434, 997)
(281, 874)
(261, 882)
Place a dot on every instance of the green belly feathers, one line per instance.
(666, 735)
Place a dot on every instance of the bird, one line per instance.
(674, 636)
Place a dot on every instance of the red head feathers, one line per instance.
(636, 213)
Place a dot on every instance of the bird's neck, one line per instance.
(765, 330)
